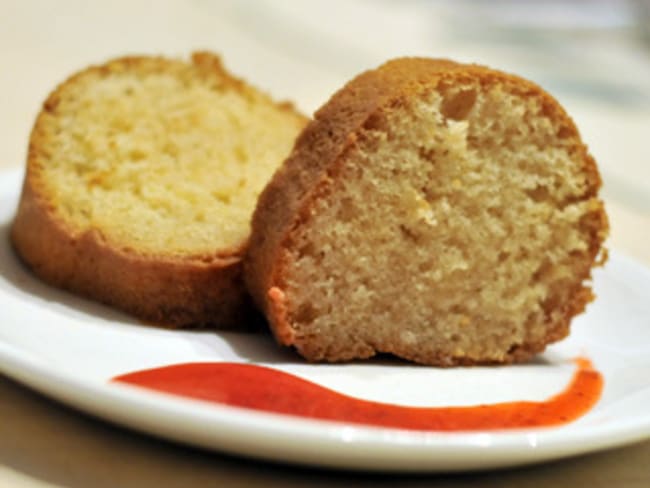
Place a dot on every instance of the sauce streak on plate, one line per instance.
(270, 390)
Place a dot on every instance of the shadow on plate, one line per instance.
(16, 280)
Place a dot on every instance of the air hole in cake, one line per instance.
(456, 106)
(407, 233)
(495, 212)
(457, 309)
(542, 271)
(347, 210)
(375, 122)
(307, 249)
(306, 313)
(137, 155)
(427, 154)
(539, 194)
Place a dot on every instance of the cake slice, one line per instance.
(142, 175)
(444, 213)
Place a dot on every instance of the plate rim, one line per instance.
(318, 442)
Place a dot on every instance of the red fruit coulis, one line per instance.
(270, 390)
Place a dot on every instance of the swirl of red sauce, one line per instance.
(271, 390)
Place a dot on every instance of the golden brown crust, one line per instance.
(287, 200)
(205, 290)
(166, 291)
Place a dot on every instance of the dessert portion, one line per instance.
(444, 213)
(142, 175)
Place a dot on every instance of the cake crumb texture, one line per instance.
(445, 213)
(142, 176)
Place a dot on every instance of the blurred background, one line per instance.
(593, 55)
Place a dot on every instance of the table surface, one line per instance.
(43, 443)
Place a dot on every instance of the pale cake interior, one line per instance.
(163, 160)
(455, 230)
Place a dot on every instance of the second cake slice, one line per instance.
(141, 178)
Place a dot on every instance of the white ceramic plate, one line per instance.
(69, 348)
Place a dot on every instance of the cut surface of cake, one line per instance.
(142, 175)
(440, 212)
